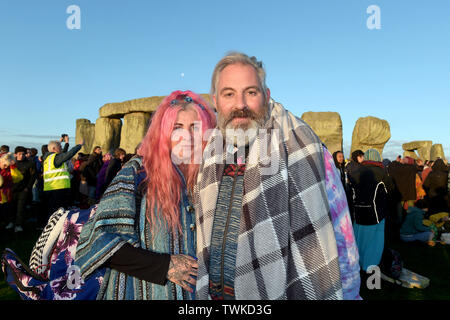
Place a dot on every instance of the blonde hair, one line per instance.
(7, 158)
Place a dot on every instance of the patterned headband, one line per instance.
(188, 100)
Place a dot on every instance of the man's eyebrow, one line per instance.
(253, 87)
(250, 87)
(226, 88)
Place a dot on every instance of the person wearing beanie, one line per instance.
(371, 186)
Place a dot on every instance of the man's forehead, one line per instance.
(238, 75)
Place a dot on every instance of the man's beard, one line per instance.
(248, 129)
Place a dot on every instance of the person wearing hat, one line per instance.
(371, 186)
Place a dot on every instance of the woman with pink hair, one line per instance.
(143, 232)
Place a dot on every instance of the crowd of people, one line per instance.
(405, 200)
(225, 228)
(32, 187)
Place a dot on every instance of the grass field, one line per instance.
(432, 262)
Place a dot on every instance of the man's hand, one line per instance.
(81, 142)
(181, 269)
(66, 139)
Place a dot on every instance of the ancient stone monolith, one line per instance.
(437, 151)
(107, 134)
(411, 154)
(148, 105)
(328, 126)
(134, 128)
(85, 130)
(370, 132)
(423, 148)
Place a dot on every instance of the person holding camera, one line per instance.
(56, 174)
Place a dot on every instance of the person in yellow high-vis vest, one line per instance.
(57, 176)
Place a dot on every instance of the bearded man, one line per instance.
(271, 214)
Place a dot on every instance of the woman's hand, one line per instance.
(181, 269)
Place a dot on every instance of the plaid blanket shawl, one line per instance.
(286, 244)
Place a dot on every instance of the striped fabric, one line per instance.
(286, 244)
(120, 219)
(41, 253)
(225, 233)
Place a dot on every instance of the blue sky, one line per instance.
(319, 56)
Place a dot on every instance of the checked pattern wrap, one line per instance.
(286, 244)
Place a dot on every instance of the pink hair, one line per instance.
(163, 183)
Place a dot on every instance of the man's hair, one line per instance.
(33, 151)
(53, 144)
(234, 58)
(118, 152)
(4, 148)
(356, 154)
(20, 149)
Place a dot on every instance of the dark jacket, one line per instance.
(404, 176)
(371, 186)
(93, 166)
(436, 187)
(436, 182)
(114, 166)
(352, 167)
(28, 170)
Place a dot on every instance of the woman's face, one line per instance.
(360, 159)
(185, 132)
(340, 157)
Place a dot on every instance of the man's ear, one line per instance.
(268, 94)
(215, 101)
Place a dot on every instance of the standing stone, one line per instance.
(370, 132)
(328, 126)
(147, 105)
(422, 147)
(437, 151)
(85, 130)
(134, 128)
(411, 154)
(107, 134)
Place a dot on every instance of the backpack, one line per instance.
(51, 274)
(391, 264)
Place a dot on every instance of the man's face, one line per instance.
(20, 156)
(239, 98)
